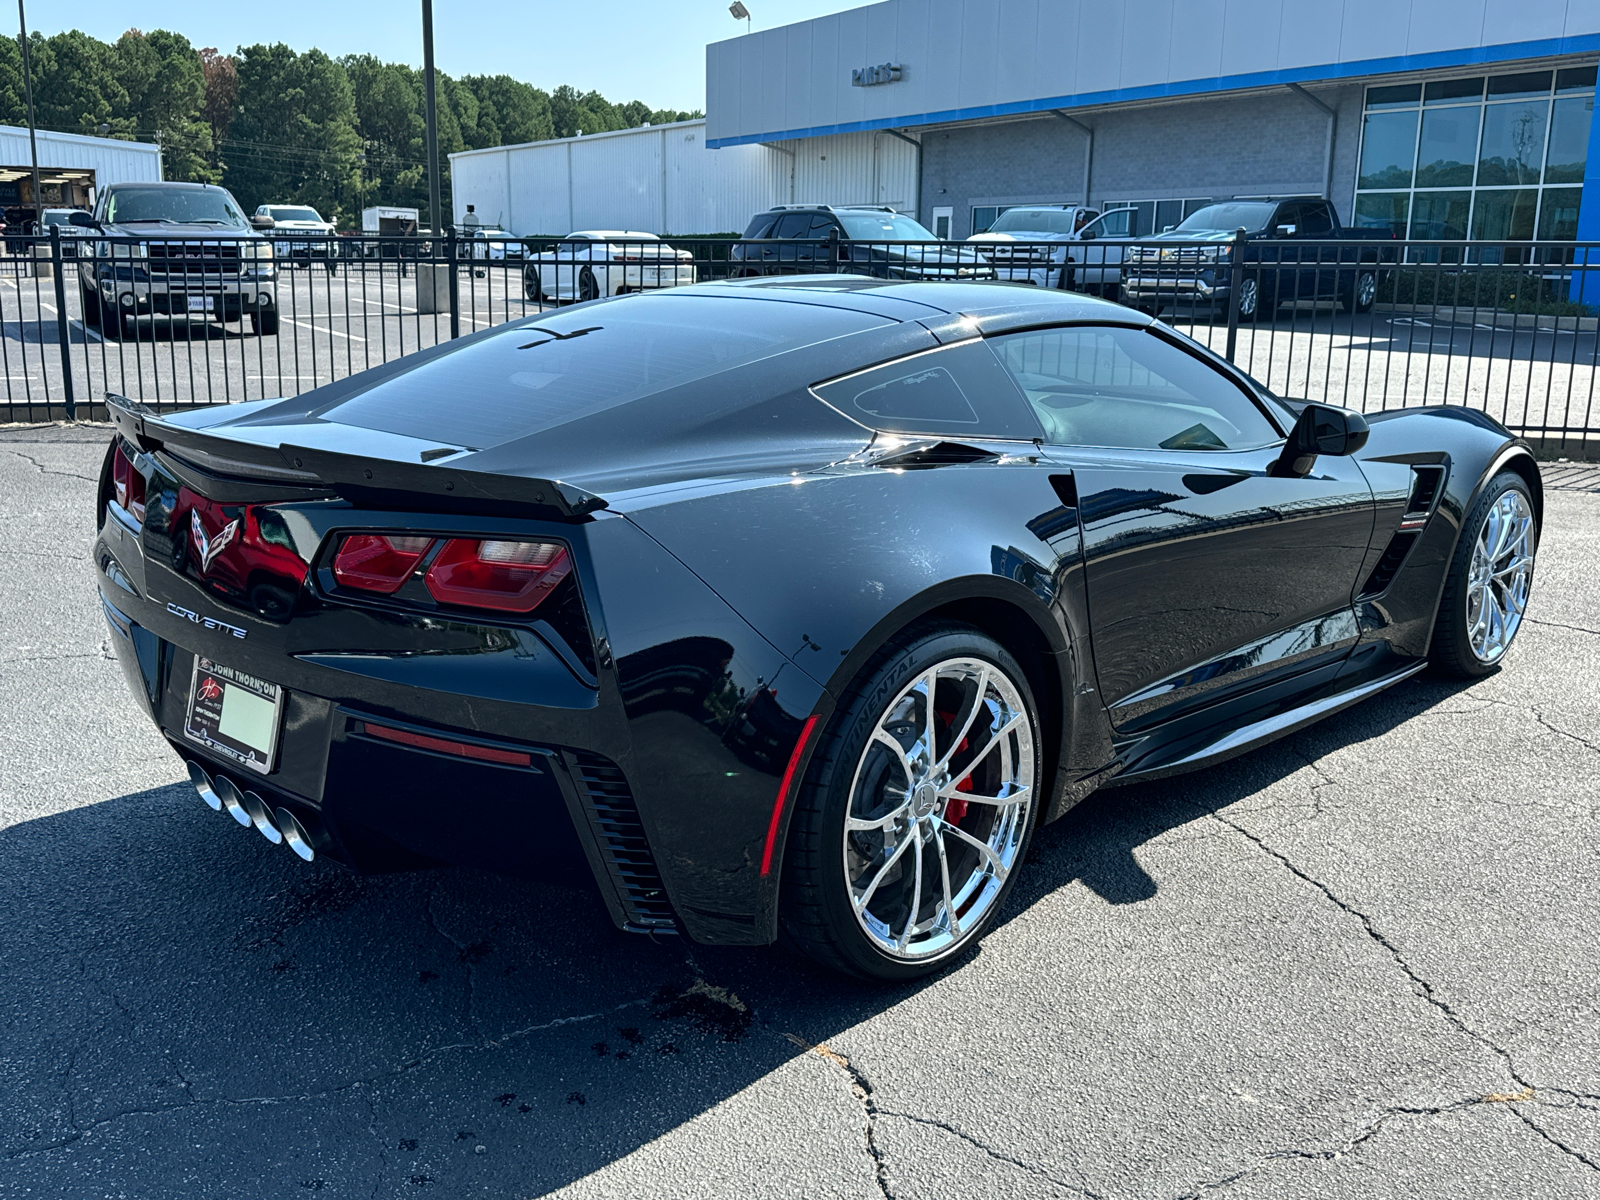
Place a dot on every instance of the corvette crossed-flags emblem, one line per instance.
(209, 548)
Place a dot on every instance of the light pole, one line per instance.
(431, 114)
(740, 13)
(33, 141)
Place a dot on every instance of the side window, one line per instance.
(760, 227)
(1111, 385)
(792, 225)
(1314, 219)
(1288, 214)
(820, 224)
(1116, 224)
(955, 391)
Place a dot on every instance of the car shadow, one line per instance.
(186, 1002)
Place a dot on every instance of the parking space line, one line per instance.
(355, 337)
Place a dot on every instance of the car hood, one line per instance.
(1197, 235)
(1022, 236)
(179, 229)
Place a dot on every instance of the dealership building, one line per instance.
(1428, 118)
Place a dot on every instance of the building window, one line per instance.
(1490, 158)
(985, 216)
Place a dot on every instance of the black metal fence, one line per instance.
(1370, 324)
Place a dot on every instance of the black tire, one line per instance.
(588, 286)
(91, 308)
(113, 325)
(1451, 648)
(1250, 303)
(532, 286)
(333, 267)
(818, 917)
(1363, 290)
(265, 322)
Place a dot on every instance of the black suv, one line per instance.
(807, 239)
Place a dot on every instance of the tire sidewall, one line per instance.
(1452, 648)
(828, 785)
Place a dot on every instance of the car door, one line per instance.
(1209, 578)
(1102, 257)
(1313, 230)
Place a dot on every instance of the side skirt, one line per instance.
(1259, 733)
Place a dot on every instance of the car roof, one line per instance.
(169, 184)
(601, 235)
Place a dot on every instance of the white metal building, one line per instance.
(662, 179)
(70, 164)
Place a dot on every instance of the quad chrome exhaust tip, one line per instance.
(203, 785)
(296, 836)
(232, 800)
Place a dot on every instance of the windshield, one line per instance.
(565, 366)
(883, 227)
(1228, 217)
(199, 206)
(57, 218)
(1035, 220)
(295, 214)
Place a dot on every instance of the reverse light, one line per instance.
(129, 485)
(376, 563)
(503, 575)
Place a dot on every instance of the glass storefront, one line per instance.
(1491, 158)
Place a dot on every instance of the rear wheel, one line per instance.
(588, 286)
(91, 308)
(1491, 575)
(1363, 290)
(264, 322)
(916, 809)
(531, 285)
(1249, 299)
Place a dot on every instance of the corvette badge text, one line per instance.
(209, 622)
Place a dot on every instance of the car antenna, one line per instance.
(560, 337)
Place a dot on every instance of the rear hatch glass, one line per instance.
(559, 367)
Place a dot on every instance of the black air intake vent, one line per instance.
(622, 841)
(1389, 565)
(1425, 490)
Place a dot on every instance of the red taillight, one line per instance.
(129, 484)
(375, 563)
(510, 758)
(506, 576)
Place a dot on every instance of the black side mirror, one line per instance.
(82, 220)
(262, 222)
(1321, 429)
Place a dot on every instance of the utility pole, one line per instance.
(432, 114)
(33, 141)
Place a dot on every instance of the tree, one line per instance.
(75, 84)
(165, 85)
(221, 75)
(293, 139)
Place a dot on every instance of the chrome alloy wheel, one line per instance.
(1500, 576)
(939, 808)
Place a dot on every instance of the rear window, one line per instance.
(541, 373)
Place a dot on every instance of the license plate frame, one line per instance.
(248, 735)
(202, 303)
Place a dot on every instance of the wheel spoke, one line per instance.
(944, 877)
(883, 738)
(865, 898)
(1014, 796)
(885, 822)
(984, 753)
(980, 701)
(983, 848)
(916, 889)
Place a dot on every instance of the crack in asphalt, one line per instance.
(409, 1065)
(1555, 1141)
(946, 1127)
(461, 955)
(47, 471)
(1561, 625)
(861, 1089)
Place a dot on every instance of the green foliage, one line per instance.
(1490, 288)
(280, 127)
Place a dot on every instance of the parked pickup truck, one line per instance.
(176, 250)
(1289, 256)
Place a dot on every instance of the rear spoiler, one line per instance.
(365, 481)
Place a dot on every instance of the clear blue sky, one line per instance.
(625, 49)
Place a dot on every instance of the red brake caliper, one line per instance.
(954, 808)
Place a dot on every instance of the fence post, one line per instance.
(62, 330)
(1235, 282)
(455, 283)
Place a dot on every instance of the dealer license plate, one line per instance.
(200, 303)
(235, 715)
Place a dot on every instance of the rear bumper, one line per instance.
(655, 776)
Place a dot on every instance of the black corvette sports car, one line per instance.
(787, 606)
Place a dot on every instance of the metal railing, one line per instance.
(1372, 324)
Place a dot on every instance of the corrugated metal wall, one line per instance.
(663, 180)
(111, 160)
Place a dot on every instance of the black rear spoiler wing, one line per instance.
(365, 481)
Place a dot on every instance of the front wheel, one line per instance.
(588, 286)
(1358, 297)
(916, 809)
(1249, 300)
(1491, 575)
(531, 286)
(264, 323)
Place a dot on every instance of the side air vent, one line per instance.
(1425, 489)
(622, 841)
(1389, 565)
(937, 454)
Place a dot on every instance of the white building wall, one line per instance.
(111, 159)
(966, 59)
(662, 179)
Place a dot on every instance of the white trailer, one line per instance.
(389, 219)
(661, 179)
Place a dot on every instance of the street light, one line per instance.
(33, 142)
(737, 8)
(432, 114)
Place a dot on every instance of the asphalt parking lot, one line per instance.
(1360, 962)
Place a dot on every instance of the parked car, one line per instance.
(174, 249)
(1097, 268)
(593, 263)
(299, 234)
(1288, 258)
(799, 239)
(782, 608)
(490, 244)
(70, 233)
(1029, 242)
